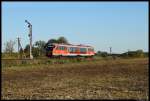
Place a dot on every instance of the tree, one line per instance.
(40, 45)
(59, 40)
(9, 46)
(98, 52)
(62, 40)
(35, 51)
(27, 47)
(102, 54)
(139, 53)
(27, 50)
(52, 41)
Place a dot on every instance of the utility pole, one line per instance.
(128, 52)
(30, 36)
(18, 46)
(110, 50)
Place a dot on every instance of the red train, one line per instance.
(56, 49)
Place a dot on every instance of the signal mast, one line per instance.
(30, 36)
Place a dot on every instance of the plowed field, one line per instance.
(103, 79)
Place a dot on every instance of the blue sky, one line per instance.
(121, 25)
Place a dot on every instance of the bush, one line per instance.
(102, 54)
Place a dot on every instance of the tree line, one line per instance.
(132, 54)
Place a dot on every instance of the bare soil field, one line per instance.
(101, 79)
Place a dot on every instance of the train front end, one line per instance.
(49, 50)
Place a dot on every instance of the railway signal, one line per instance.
(30, 36)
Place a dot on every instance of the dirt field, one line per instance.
(103, 79)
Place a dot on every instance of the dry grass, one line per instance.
(103, 79)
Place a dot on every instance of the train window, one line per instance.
(90, 50)
(69, 49)
(72, 49)
(76, 49)
(59, 48)
(83, 50)
(63, 48)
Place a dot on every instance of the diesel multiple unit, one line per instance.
(56, 49)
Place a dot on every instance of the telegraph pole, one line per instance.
(110, 50)
(30, 37)
(128, 52)
(18, 46)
